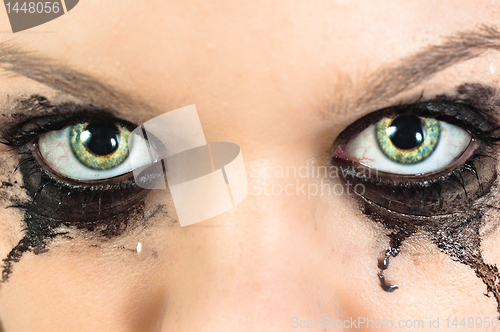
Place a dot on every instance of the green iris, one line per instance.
(407, 139)
(99, 145)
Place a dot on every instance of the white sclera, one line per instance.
(452, 143)
(56, 151)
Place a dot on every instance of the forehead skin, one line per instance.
(270, 76)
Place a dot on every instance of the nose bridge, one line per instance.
(249, 272)
(234, 286)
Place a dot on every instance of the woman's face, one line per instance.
(284, 80)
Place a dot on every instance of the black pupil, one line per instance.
(101, 138)
(406, 132)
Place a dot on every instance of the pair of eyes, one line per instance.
(404, 144)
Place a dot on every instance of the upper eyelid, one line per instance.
(31, 141)
(30, 128)
(359, 125)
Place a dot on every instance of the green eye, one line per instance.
(99, 145)
(407, 139)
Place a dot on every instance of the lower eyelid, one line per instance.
(77, 203)
(454, 191)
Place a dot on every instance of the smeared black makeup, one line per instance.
(450, 207)
(106, 208)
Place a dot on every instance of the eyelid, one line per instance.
(26, 133)
(30, 129)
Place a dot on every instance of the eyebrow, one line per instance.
(63, 78)
(408, 72)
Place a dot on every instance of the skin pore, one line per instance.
(282, 79)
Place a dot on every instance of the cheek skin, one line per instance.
(122, 293)
(456, 236)
(113, 286)
(10, 193)
(434, 284)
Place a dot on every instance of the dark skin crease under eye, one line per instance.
(452, 209)
(106, 208)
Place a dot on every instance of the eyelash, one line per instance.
(23, 139)
(414, 191)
